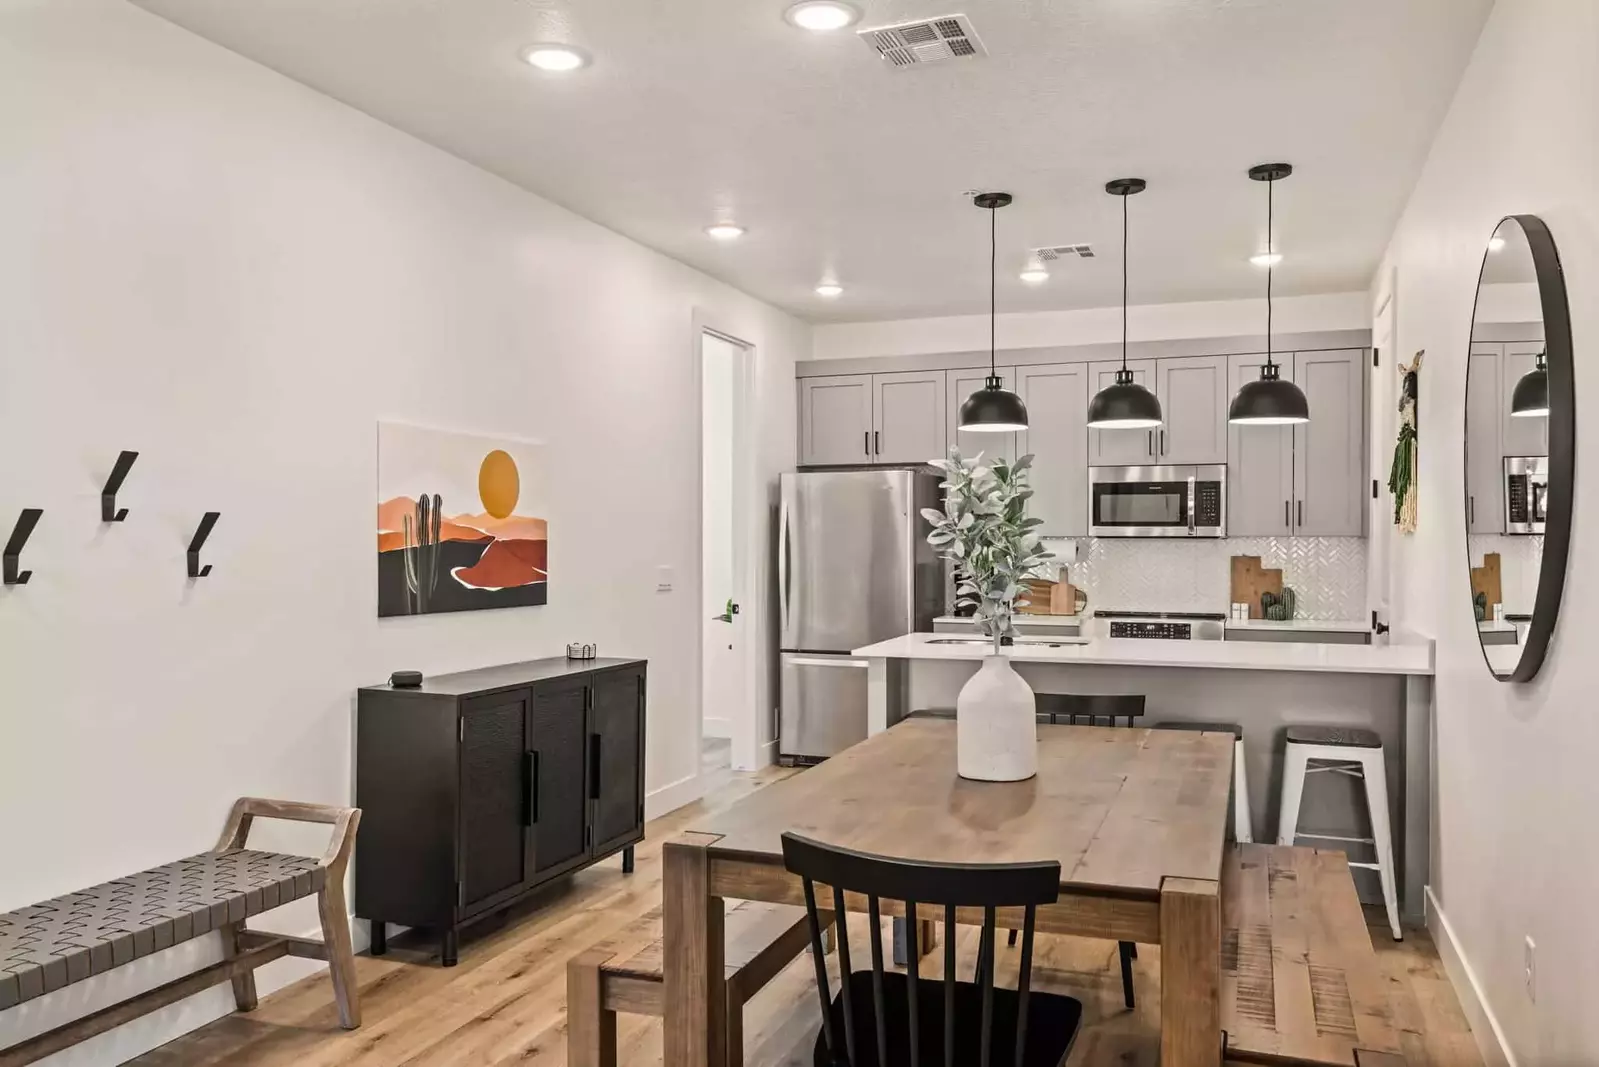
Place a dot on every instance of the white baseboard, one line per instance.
(673, 796)
(718, 727)
(1485, 1027)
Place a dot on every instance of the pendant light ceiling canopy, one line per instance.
(1126, 405)
(1269, 401)
(993, 408)
(1530, 398)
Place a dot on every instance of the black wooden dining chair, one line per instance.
(1096, 709)
(883, 1018)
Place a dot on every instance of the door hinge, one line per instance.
(1374, 489)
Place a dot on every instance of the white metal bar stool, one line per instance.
(1243, 826)
(1357, 753)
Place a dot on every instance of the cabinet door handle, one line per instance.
(594, 766)
(866, 441)
(1287, 522)
(1163, 442)
(1149, 442)
(530, 782)
(877, 442)
(1471, 509)
(1299, 513)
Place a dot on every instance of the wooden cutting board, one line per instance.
(1049, 598)
(1250, 579)
(1485, 579)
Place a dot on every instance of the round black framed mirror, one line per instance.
(1520, 447)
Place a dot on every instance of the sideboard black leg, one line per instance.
(380, 937)
(450, 947)
(627, 860)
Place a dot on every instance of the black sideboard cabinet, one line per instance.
(480, 786)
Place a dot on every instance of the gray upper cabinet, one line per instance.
(1486, 403)
(1193, 400)
(1523, 436)
(1116, 448)
(1057, 436)
(960, 384)
(835, 416)
(907, 417)
(1329, 468)
(1260, 463)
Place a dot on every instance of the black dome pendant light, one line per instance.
(993, 408)
(1530, 398)
(1125, 405)
(1269, 401)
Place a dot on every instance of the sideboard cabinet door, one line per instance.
(556, 756)
(494, 834)
(616, 739)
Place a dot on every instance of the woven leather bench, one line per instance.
(47, 946)
(625, 974)
(1300, 983)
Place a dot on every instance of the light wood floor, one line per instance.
(506, 1001)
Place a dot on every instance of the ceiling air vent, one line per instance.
(912, 44)
(1054, 252)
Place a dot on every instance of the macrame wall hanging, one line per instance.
(1403, 477)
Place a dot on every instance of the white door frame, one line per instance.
(747, 751)
(1381, 398)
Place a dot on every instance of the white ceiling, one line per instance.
(839, 165)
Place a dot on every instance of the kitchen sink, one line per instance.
(1047, 642)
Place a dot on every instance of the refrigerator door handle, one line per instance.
(782, 566)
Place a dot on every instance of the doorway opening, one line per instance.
(728, 717)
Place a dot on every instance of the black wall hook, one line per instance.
(108, 495)
(210, 520)
(19, 537)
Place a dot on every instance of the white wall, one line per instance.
(1045, 329)
(238, 278)
(1516, 789)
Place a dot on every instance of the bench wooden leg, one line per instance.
(244, 997)
(590, 1026)
(341, 955)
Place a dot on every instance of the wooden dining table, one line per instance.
(1137, 819)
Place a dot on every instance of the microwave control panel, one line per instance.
(1207, 504)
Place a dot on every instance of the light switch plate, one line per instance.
(663, 579)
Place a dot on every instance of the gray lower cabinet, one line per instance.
(1057, 436)
(907, 417)
(1193, 401)
(479, 787)
(1485, 400)
(1330, 481)
(1260, 463)
(835, 419)
(960, 384)
(1117, 448)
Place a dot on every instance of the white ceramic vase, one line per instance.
(996, 725)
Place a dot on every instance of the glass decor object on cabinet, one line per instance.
(1124, 404)
(1271, 401)
(1520, 429)
(993, 408)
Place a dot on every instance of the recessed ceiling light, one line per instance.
(829, 290)
(1266, 259)
(725, 231)
(1035, 275)
(555, 58)
(1495, 243)
(822, 16)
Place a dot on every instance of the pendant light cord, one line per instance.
(993, 304)
(1271, 249)
(1124, 281)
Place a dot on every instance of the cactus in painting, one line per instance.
(422, 550)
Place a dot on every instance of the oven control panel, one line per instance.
(1160, 631)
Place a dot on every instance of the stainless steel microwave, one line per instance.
(1526, 493)
(1164, 501)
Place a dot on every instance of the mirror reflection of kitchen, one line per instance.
(1507, 443)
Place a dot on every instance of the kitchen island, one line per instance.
(1264, 687)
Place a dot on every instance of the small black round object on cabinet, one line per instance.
(406, 679)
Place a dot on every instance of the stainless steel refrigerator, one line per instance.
(853, 568)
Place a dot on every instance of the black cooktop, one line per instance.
(1192, 616)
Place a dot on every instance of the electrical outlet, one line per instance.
(1530, 963)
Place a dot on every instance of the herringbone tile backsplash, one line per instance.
(1328, 574)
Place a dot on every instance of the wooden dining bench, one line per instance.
(69, 939)
(1300, 983)
(626, 974)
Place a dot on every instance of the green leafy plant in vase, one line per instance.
(985, 531)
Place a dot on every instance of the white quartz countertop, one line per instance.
(1414, 656)
(1336, 626)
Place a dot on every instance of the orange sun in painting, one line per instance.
(498, 483)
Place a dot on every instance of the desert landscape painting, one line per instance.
(461, 522)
